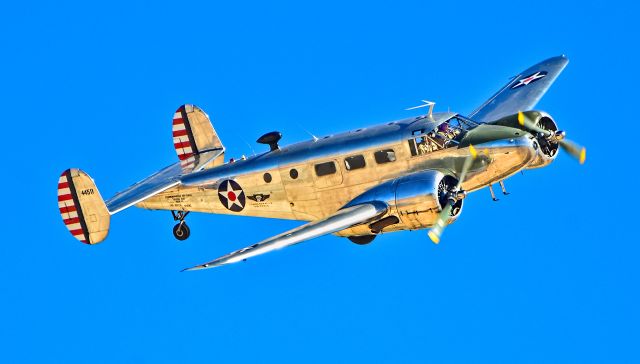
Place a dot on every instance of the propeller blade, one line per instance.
(438, 227)
(443, 217)
(467, 165)
(527, 123)
(576, 151)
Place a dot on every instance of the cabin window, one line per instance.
(423, 144)
(267, 177)
(443, 136)
(354, 162)
(293, 173)
(326, 168)
(385, 156)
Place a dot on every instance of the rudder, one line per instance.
(82, 209)
(193, 133)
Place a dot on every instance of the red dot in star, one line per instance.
(231, 196)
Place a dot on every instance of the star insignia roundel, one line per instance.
(231, 195)
(529, 79)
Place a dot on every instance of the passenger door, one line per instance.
(301, 191)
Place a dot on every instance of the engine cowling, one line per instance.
(416, 200)
(547, 151)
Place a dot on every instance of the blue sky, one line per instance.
(548, 274)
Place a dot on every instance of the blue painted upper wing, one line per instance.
(523, 92)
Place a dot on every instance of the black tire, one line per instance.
(181, 231)
(362, 239)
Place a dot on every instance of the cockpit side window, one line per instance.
(385, 156)
(441, 137)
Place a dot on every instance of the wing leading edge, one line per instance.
(523, 92)
(341, 220)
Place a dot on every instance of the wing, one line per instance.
(341, 220)
(523, 92)
(160, 181)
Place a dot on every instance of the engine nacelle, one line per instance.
(415, 200)
(546, 151)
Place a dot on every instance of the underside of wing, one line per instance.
(341, 220)
(523, 92)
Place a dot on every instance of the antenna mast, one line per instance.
(426, 103)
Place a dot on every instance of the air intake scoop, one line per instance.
(271, 139)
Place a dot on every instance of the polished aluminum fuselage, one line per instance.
(310, 197)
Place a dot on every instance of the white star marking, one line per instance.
(527, 80)
(232, 196)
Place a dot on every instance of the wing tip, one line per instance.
(201, 267)
(197, 267)
(561, 60)
(554, 64)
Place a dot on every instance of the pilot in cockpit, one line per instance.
(446, 133)
(443, 131)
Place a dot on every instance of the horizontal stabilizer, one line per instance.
(161, 180)
(82, 208)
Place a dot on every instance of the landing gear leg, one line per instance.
(504, 190)
(180, 231)
(493, 195)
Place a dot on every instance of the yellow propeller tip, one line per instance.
(521, 118)
(583, 155)
(473, 151)
(433, 237)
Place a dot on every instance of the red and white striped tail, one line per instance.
(182, 136)
(193, 133)
(68, 209)
(82, 209)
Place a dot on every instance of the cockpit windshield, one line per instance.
(443, 136)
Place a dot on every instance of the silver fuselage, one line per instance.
(310, 197)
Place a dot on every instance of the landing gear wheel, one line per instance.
(181, 231)
(362, 239)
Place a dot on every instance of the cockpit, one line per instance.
(432, 136)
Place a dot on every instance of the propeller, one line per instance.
(576, 151)
(452, 198)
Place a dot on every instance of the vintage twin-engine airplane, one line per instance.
(402, 175)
